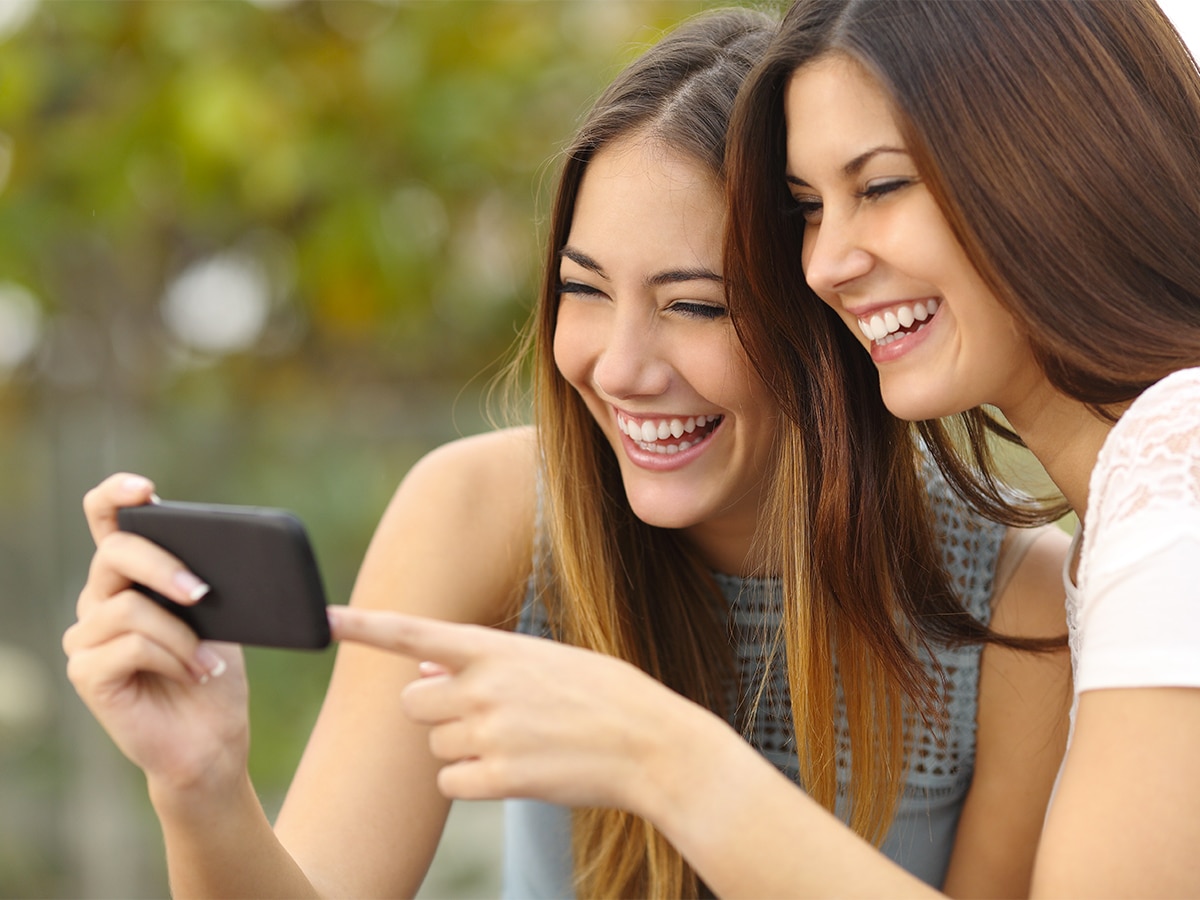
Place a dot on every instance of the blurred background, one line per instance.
(267, 253)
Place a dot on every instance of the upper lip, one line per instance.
(866, 310)
(644, 416)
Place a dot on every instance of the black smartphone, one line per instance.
(266, 588)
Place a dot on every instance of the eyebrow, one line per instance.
(669, 276)
(854, 166)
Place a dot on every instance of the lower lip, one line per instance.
(666, 462)
(892, 351)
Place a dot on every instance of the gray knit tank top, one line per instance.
(537, 838)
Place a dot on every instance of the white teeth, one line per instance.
(882, 328)
(649, 434)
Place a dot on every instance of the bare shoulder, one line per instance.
(1032, 602)
(482, 470)
(458, 531)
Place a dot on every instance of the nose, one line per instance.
(832, 255)
(631, 361)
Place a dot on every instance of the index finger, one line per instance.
(101, 503)
(450, 644)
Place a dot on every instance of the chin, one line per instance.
(660, 515)
(916, 406)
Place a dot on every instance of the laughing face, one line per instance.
(644, 336)
(879, 251)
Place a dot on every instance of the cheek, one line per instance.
(734, 383)
(571, 351)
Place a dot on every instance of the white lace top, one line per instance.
(1134, 614)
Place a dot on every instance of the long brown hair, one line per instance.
(1061, 139)
(609, 581)
(851, 467)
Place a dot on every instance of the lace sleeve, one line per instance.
(1138, 611)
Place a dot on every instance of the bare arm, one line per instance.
(1124, 821)
(364, 810)
(1024, 702)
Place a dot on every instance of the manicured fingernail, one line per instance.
(154, 498)
(428, 669)
(192, 587)
(135, 484)
(211, 663)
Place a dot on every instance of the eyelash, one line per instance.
(691, 310)
(706, 311)
(807, 209)
(882, 189)
(575, 287)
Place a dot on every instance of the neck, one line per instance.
(1066, 437)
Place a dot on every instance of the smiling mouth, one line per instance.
(883, 328)
(668, 436)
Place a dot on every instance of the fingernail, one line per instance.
(193, 588)
(212, 664)
(154, 498)
(135, 484)
(427, 669)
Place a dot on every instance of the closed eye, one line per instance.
(877, 189)
(577, 288)
(807, 209)
(692, 310)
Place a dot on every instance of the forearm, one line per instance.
(750, 832)
(225, 847)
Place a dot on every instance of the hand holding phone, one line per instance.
(266, 588)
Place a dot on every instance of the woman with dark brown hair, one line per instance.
(656, 513)
(1000, 202)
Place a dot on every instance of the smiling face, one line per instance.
(644, 336)
(879, 251)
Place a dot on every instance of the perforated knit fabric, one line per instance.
(941, 761)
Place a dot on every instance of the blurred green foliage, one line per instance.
(381, 170)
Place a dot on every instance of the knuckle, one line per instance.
(77, 672)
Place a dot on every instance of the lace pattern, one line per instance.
(1148, 468)
(1132, 610)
